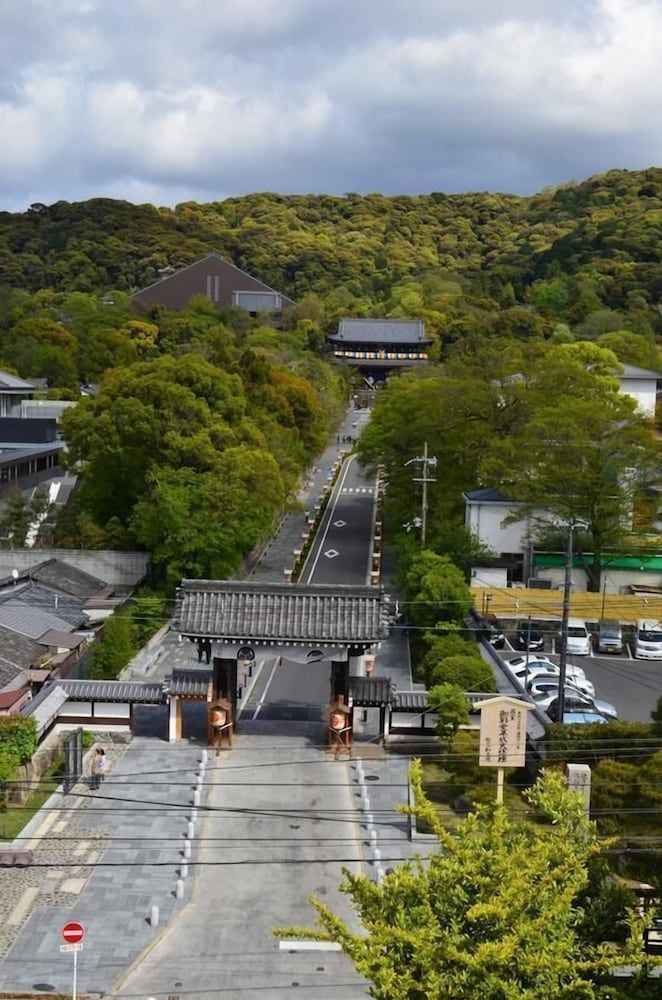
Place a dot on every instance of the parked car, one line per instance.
(540, 664)
(579, 638)
(582, 683)
(543, 692)
(577, 714)
(610, 638)
(529, 638)
(648, 640)
(489, 628)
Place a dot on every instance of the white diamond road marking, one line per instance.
(339, 524)
(331, 553)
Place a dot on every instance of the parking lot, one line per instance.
(633, 686)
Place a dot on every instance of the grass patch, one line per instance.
(15, 817)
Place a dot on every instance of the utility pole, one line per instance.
(565, 614)
(427, 461)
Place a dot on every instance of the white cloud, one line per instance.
(208, 99)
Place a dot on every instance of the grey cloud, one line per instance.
(181, 99)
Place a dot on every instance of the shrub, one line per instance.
(18, 742)
(471, 673)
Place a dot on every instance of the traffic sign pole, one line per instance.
(73, 934)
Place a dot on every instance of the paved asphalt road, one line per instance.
(300, 692)
(633, 686)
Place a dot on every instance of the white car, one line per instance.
(648, 640)
(546, 692)
(579, 638)
(582, 684)
(541, 665)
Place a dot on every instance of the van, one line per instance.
(579, 638)
(610, 638)
(648, 640)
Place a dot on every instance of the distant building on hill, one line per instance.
(378, 346)
(219, 281)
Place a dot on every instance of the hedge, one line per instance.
(18, 742)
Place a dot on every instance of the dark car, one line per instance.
(488, 627)
(529, 637)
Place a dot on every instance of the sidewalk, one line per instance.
(109, 857)
(291, 825)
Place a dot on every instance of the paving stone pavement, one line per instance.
(118, 852)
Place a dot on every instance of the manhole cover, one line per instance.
(372, 777)
(331, 553)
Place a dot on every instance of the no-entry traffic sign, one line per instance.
(73, 932)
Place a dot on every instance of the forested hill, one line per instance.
(606, 228)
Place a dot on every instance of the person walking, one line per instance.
(98, 767)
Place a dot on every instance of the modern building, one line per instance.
(642, 384)
(13, 390)
(378, 346)
(499, 523)
(30, 452)
(218, 280)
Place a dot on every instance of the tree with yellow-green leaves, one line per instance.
(493, 913)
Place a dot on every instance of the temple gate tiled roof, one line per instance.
(280, 613)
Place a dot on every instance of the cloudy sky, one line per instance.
(168, 100)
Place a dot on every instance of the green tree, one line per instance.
(15, 519)
(435, 590)
(114, 650)
(493, 913)
(469, 672)
(452, 708)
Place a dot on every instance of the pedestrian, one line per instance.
(306, 515)
(98, 767)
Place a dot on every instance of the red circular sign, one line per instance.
(73, 932)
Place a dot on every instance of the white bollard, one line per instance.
(183, 869)
(369, 820)
(204, 757)
(199, 779)
(190, 831)
(154, 916)
(194, 815)
(380, 874)
(187, 849)
(372, 837)
(196, 797)
(179, 889)
(377, 854)
(365, 801)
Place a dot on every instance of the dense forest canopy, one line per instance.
(604, 231)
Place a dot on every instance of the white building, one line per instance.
(641, 384)
(492, 519)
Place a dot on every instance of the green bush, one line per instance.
(471, 673)
(18, 742)
(594, 742)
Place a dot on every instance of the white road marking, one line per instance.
(268, 685)
(331, 553)
(328, 523)
(339, 524)
(285, 944)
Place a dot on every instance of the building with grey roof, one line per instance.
(19, 650)
(377, 346)
(30, 621)
(66, 579)
(12, 391)
(69, 609)
(218, 280)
